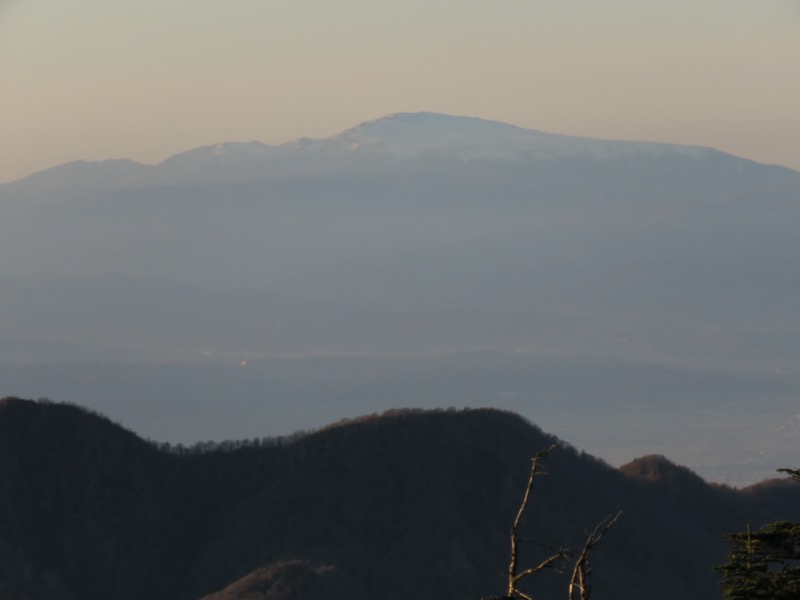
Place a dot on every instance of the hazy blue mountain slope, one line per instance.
(413, 235)
(416, 213)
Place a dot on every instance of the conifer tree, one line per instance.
(764, 564)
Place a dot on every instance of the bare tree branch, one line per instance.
(546, 563)
(538, 467)
(580, 581)
(581, 573)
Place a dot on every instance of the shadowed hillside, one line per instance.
(406, 504)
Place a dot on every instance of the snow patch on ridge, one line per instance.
(407, 135)
(390, 139)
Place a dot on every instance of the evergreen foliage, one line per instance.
(766, 563)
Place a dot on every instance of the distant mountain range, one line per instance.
(412, 233)
(424, 236)
(407, 504)
(420, 141)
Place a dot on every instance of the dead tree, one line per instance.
(580, 581)
(538, 468)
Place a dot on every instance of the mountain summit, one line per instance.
(390, 140)
(418, 138)
(404, 135)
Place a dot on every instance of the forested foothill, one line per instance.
(406, 504)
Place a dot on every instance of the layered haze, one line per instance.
(623, 295)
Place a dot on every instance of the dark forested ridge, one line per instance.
(408, 504)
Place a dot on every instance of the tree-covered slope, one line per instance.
(406, 504)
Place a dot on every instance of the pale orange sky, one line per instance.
(94, 79)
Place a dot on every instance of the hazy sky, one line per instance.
(145, 79)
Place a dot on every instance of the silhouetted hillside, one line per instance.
(406, 504)
(85, 506)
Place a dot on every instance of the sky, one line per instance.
(145, 79)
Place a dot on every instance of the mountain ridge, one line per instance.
(402, 136)
(404, 503)
(349, 252)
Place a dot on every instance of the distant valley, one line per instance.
(729, 427)
(410, 240)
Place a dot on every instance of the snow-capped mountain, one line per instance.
(422, 140)
(407, 135)
(415, 214)
(421, 234)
